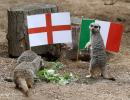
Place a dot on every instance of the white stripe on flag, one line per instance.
(62, 18)
(36, 21)
(62, 36)
(38, 39)
(104, 30)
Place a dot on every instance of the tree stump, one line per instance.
(17, 35)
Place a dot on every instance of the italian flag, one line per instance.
(111, 33)
(49, 28)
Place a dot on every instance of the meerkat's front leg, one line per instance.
(91, 70)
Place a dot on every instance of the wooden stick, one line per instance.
(79, 40)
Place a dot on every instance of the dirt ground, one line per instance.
(83, 89)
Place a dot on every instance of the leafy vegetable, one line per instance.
(52, 75)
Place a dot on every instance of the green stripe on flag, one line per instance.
(85, 32)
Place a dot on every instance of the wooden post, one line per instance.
(17, 35)
(72, 53)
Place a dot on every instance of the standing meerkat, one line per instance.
(97, 53)
(25, 72)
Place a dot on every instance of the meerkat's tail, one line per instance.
(108, 78)
(111, 78)
(23, 86)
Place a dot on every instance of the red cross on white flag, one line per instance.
(50, 28)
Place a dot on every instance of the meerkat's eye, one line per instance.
(91, 25)
(95, 26)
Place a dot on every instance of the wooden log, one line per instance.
(17, 35)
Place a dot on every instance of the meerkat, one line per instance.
(25, 71)
(27, 56)
(97, 53)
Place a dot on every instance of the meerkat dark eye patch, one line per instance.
(96, 26)
(91, 25)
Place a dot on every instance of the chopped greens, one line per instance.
(52, 75)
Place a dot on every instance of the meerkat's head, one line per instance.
(94, 28)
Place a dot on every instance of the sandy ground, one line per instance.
(83, 89)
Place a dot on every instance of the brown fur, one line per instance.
(21, 84)
(98, 54)
(25, 72)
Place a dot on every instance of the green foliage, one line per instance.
(52, 75)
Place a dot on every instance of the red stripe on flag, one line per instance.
(49, 28)
(44, 29)
(61, 27)
(114, 37)
(37, 30)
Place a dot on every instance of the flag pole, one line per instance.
(30, 49)
(79, 40)
(29, 44)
